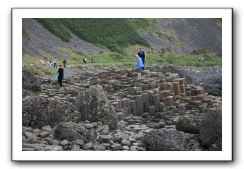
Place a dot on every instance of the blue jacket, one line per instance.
(139, 63)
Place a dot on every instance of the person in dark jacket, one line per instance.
(142, 55)
(60, 75)
(64, 62)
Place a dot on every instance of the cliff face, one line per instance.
(181, 35)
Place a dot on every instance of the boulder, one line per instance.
(211, 129)
(188, 124)
(30, 80)
(38, 112)
(70, 131)
(94, 105)
(165, 140)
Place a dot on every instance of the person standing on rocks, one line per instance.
(60, 75)
(64, 62)
(139, 66)
(142, 55)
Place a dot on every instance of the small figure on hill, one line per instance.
(139, 67)
(93, 60)
(64, 62)
(54, 63)
(84, 60)
(42, 62)
(142, 55)
(60, 75)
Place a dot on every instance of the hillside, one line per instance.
(96, 35)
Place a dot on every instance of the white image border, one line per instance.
(19, 155)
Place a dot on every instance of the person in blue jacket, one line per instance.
(139, 66)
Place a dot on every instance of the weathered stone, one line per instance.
(211, 129)
(70, 131)
(79, 142)
(87, 146)
(75, 147)
(139, 104)
(98, 148)
(187, 124)
(116, 147)
(125, 142)
(43, 134)
(152, 110)
(95, 106)
(133, 107)
(165, 140)
(38, 111)
(156, 102)
(88, 126)
(105, 138)
(125, 148)
(176, 87)
(133, 148)
(64, 142)
(145, 99)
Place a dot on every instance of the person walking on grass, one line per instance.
(64, 62)
(55, 63)
(142, 55)
(60, 75)
(139, 67)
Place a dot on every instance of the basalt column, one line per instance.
(139, 105)
(145, 99)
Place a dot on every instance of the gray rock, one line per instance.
(64, 142)
(39, 111)
(75, 147)
(188, 124)
(88, 126)
(98, 148)
(70, 131)
(125, 148)
(211, 129)
(43, 134)
(116, 147)
(87, 146)
(165, 140)
(125, 142)
(53, 148)
(105, 138)
(79, 142)
(95, 106)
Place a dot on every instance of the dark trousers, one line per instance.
(60, 81)
(55, 65)
(143, 61)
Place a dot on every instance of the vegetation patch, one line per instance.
(112, 33)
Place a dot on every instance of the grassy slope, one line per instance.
(113, 34)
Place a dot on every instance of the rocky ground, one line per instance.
(107, 109)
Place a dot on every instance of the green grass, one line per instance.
(32, 62)
(56, 27)
(153, 57)
(112, 33)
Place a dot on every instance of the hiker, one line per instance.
(139, 66)
(60, 75)
(54, 63)
(84, 60)
(64, 62)
(142, 55)
(93, 60)
(42, 62)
